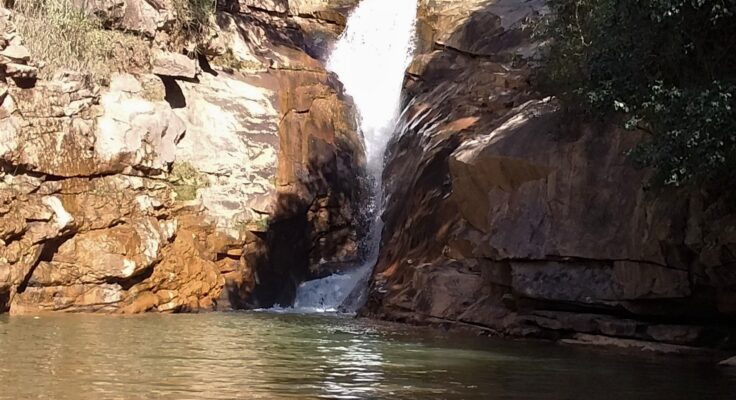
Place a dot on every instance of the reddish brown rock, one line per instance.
(166, 195)
(506, 213)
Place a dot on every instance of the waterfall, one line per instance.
(370, 58)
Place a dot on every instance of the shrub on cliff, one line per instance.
(60, 35)
(193, 21)
(667, 67)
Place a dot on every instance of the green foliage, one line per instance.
(186, 180)
(667, 67)
(63, 36)
(258, 223)
(263, 223)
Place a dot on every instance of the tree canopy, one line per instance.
(667, 67)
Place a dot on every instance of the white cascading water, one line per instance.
(370, 58)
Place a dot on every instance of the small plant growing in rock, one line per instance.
(259, 223)
(262, 223)
(186, 181)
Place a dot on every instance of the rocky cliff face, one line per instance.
(190, 183)
(508, 215)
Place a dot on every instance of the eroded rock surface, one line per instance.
(508, 215)
(210, 183)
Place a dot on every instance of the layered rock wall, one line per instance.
(202, 183)
(507, 214)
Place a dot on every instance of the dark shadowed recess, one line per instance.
(295, 243)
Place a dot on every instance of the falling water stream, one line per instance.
(370, 58)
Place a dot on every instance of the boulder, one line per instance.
(15, 53)
(328, 11)
(145, 17)
(237, 120)
(175, 65)
(75, 298)
(56, 121)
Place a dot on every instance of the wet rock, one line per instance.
(638, 345)
(678, 334)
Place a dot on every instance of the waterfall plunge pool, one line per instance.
(290, 356)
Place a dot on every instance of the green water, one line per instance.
(281, 356)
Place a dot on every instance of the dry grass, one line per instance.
(193, 22)
(65, 37)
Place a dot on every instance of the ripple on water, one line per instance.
(276, 356)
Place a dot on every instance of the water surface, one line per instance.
(286, 356)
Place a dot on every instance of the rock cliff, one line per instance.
(218, 173)
(507, 214)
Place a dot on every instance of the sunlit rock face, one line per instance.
(198, 184)
(322, 21)
(504, 213)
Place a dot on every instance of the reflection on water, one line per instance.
(281, 356)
